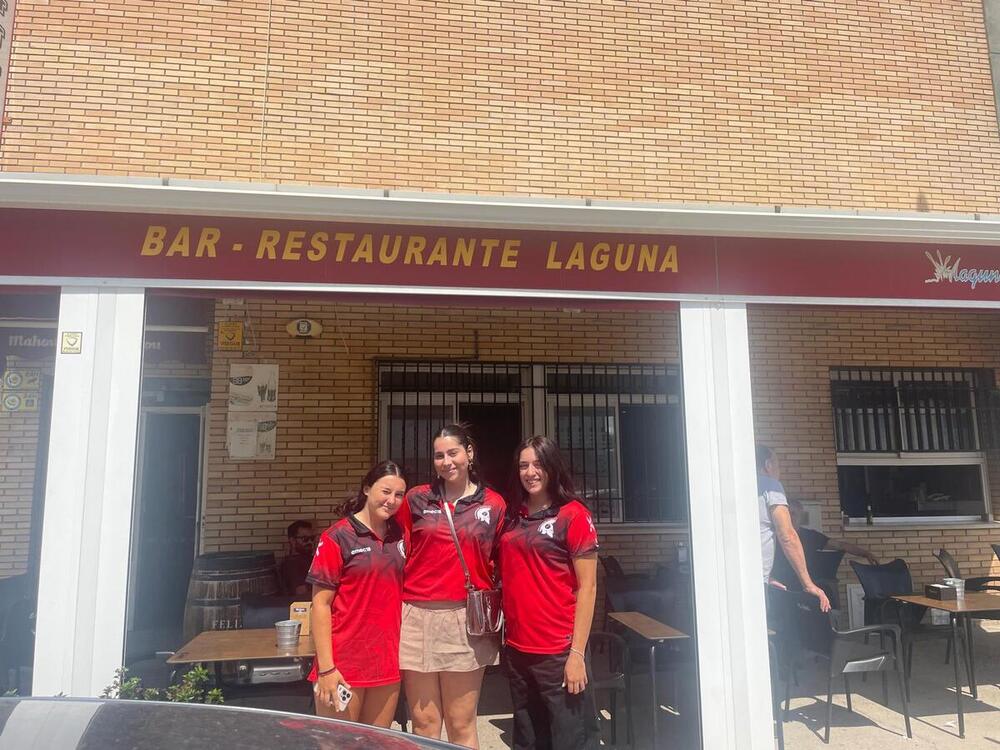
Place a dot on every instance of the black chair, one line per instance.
(880, 583)
(848, 652)
(611, 665)
(951, 567)
(823, 567)
(773, 654)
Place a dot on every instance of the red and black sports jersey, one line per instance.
(433, 572)
(539, 581)
(366, 574)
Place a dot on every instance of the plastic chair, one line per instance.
(612, 671)
(880, 583)
(951, 567)
(847, 651)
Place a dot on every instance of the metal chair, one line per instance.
(848, 652)
(612, 671)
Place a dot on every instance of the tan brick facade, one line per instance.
(791, 351)
(18, 453)
(874, 105)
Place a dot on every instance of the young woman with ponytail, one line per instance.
(442, 665)
(357, 585)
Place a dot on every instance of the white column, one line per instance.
(725, 535)
(83, 574)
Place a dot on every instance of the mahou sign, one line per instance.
(82, 244)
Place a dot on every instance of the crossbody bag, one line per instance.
(483, 612)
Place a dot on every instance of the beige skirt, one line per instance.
(433, 639)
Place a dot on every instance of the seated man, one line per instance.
(293, 569)
(812, 542)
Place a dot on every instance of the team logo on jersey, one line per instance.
(548, 528)
(590, 523)
(483, 514)
(359, 550)
(402, 549)
(317, 548)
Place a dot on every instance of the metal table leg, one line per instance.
(958, 684)
(652, 682)
(971, 660)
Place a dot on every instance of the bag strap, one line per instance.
(458, 547)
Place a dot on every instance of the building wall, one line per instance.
(785, 102)
(791, 351)
(326, 405)
(18, 453)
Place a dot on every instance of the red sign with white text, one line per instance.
(44, 243)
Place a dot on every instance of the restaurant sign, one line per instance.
(41, 243)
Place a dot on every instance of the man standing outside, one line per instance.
(776, 524)
(812, 542)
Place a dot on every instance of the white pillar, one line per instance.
(83, 573)
(725, 535)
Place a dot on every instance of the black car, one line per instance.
(92, 724)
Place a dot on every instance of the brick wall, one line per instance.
(791, 351)
(18, 452)
(327, 419)
(783, 102)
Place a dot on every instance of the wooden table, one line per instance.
(972, 604)
(218, 646)
(238, 645)
(656, 633)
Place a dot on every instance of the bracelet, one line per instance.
(577, 651)
(325, 672)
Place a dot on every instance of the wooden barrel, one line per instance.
(217, 580)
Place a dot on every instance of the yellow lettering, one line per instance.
(600, 256)
(268, 244)
(575, 259)
(342, 239)
(647, 257)
(293, 243)
(415, 250)
(153, 244)
(552, 263)
(206, 242)
(488, 247)
(317, 246)
(624, 263)
(669, 260)
(465, 249)
(364, 250)
(384, 255)
(439, 255)
(508, 259)
(181, 244)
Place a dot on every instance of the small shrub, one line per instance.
(191, 689)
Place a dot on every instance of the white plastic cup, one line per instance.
(287, 633)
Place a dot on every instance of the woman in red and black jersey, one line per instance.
(357, 585)
(442, 665)
(548, 566)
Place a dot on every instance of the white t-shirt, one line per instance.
(770, 492)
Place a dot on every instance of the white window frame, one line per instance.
(970, 458)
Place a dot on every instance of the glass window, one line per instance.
(912, 490)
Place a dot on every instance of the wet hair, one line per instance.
(295, 526)
(560, 483)
(764, 454)
(357, 501)
(463, 434)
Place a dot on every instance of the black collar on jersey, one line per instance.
(552, 510)
(392, 529)
(476, 498)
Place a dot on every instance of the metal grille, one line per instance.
(897, 411)
(620, 426)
